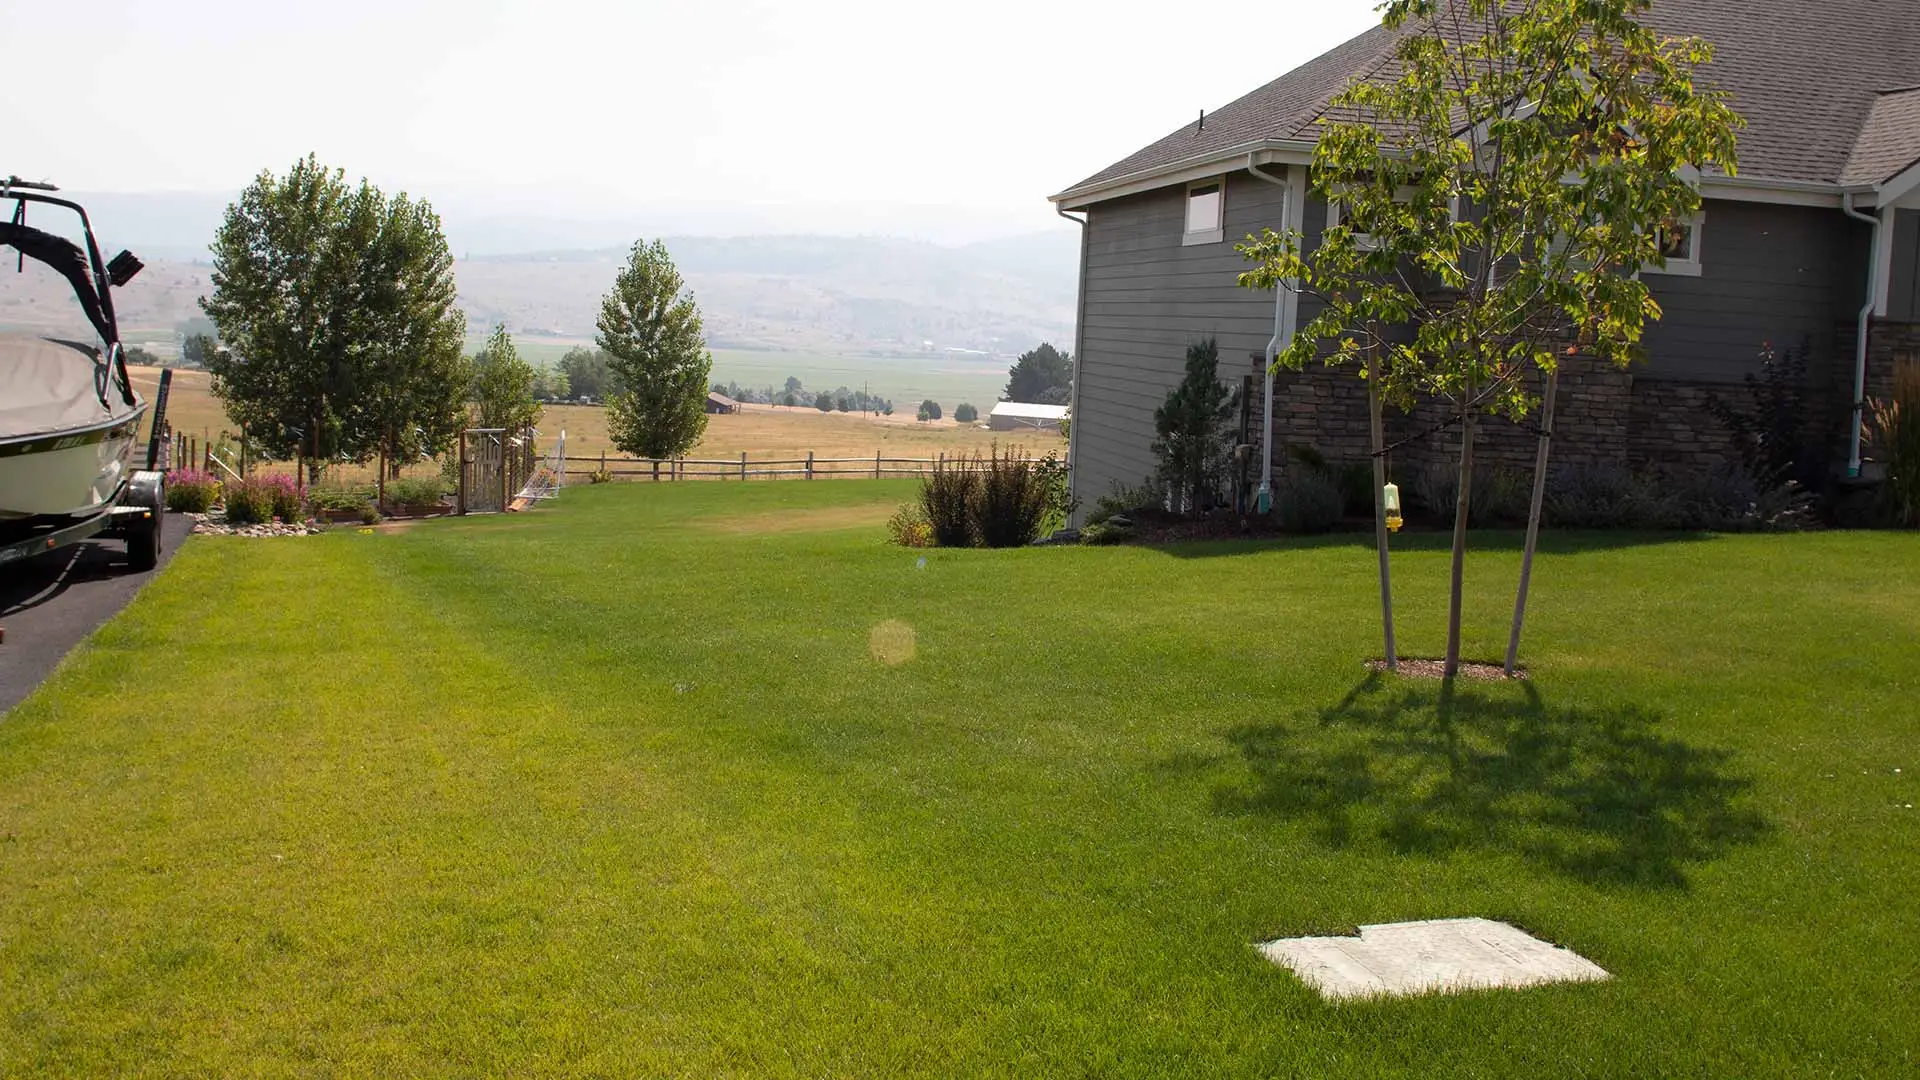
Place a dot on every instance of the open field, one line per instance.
(760, 431)
(705, 780)
(945, 377)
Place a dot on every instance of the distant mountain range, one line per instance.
(835, 294)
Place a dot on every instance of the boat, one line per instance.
(69, 416)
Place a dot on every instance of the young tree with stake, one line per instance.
(1497, 198)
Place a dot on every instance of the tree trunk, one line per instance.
(1460, 504)
(1533, 519)
(1380, 509)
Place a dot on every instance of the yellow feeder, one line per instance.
(1390, 496)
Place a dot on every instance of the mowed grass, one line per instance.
(761, 432)
(624, 787)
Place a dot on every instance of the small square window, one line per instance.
(1206, 211)
(1679, 244)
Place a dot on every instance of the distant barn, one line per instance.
(721, 403)
(1020, 416)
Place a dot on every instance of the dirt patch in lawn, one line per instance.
(822, 519)
(1414, 667)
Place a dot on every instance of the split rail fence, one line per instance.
(745, 468)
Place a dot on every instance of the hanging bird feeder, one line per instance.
(1390, 498)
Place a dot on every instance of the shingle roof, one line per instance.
(1804, 73)
(1889, 142)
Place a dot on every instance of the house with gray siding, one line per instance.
(1816, 240)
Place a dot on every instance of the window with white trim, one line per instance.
(1206, 212)
(1680, 243)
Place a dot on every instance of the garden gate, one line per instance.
(494, 463)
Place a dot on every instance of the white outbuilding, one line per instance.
(1021, 416)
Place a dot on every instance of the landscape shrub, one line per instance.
(965, 413)
(1353, 479)
(249, 501)
(283, 497)
(415, 492)
(909, 527)
(1769, 430)
(1596, 497)
(1121, 499)
(369, 514)
(191, 491)
(1192, 437)
(339, 498)
(1013, 501)
(1896, 441)
(1307, 501)
(1500, 496)
(1726, 499)
(1004, 500)
(600, 476)
(947, 499)
(1105, 533)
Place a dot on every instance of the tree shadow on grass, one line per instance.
(1597, 794)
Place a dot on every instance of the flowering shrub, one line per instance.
(261, 498)
(191, 491)
(909, 527)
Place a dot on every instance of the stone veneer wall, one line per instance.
(1888, 342)
(1605, 415)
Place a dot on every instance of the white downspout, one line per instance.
(1879, 223)
(1079, 359)
(1263, 499)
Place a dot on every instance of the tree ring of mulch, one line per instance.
(1414, 667)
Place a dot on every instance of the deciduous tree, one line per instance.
(1499, 191)
(1043, 376)
(650, 326)
(337, 307)
(503, 385)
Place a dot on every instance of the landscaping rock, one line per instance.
(214, 523)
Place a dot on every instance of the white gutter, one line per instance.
(1263, 498)
(1194, 167)
(1079, 359)
(1879, 223)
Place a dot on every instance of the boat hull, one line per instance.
(67, 473)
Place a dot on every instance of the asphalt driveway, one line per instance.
(49, 603)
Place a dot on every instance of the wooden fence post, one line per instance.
(656, 470)
(603, 460)
(506, 468)
(743, 464)
(940, 463)
(809, 464)
(876, 464)
(460, 489)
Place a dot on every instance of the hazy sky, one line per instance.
(944, 120)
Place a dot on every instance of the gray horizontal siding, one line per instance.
(1769, 274)
(1147, 298)
(1903, 292)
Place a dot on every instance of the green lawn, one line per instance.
(619, 788)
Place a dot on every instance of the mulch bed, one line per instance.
(1413, 667)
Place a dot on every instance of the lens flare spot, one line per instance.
(891, 643)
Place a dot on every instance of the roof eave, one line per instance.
(1197, 167)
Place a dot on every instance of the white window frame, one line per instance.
(1691, 265)
(1215, 235)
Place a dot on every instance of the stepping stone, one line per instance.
(1438, 955)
